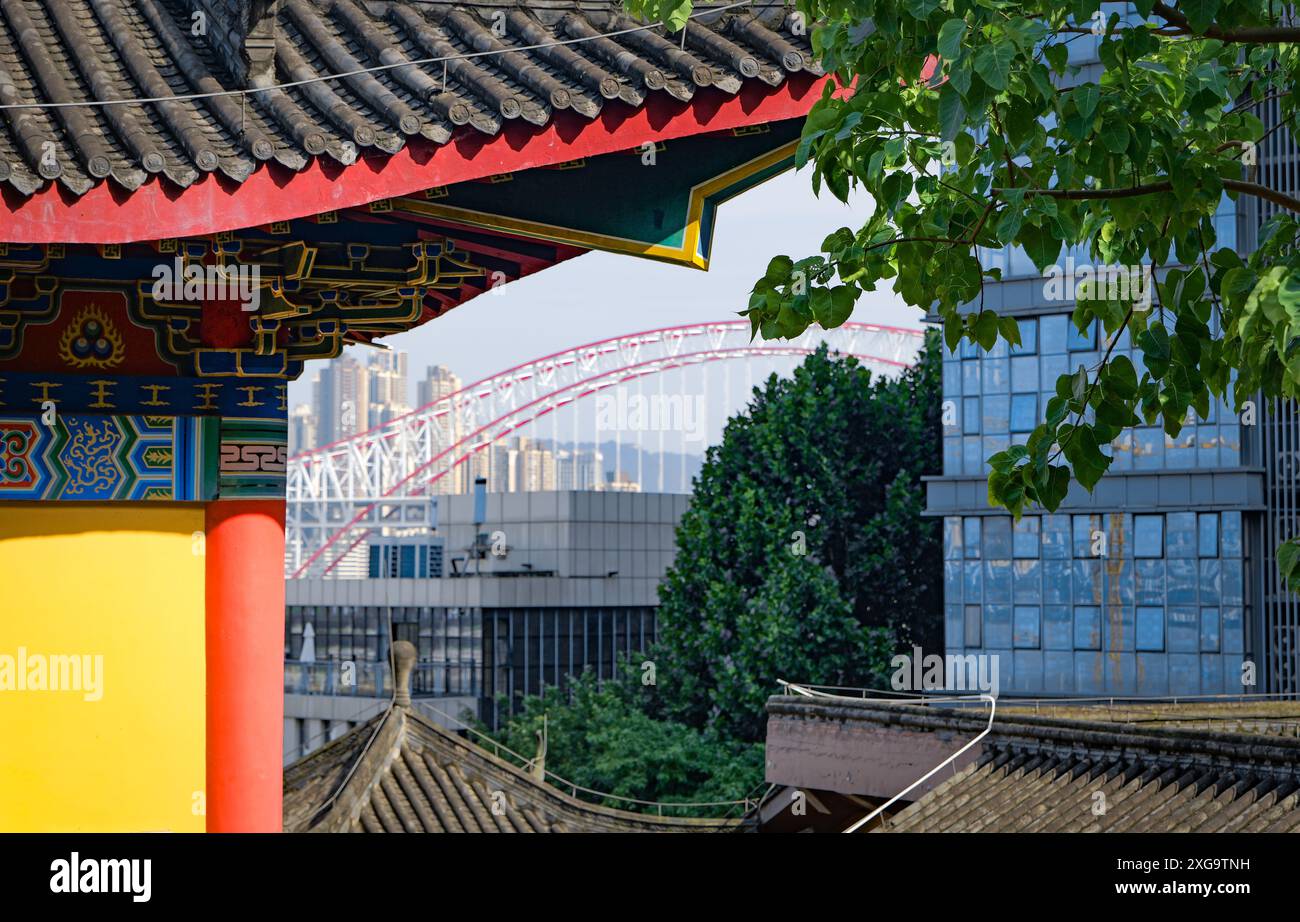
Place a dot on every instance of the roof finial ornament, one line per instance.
(403, 662)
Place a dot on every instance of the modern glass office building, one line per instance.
(1162, 581)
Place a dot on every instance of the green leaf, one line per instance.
(1085, 99)
(950, 35)
(1200, 13)
(993, 63)
(779, 269)
(951, 112)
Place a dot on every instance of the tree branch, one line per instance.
(1251, 35)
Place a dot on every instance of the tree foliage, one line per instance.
(968, 126)
(608, 738)
(804, 555)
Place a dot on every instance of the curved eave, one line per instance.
(156, 210)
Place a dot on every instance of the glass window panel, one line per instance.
(1207, 446)
(973, 581)
(1150, 628)
(1121, 450)
(997, 581)
(1117, 628)
(997, 536)
(1181, 538)
(1087, 582)
(952, 538)
(1207, 534)
(1052, 333)
(970, 377)
(1052, 367)
(1087, 628)
(1056, 537)
(997, 626)
(974, 618)
(952, 580)
(1024, 374)
(1230, 576)
(1056, 581)
(969, 350)
(1184, 629)
(1231, 534)
(1230, 446)
(1210, 630)
(971, 527)
(992, 445)
(952, 379)
(970, 416)
(1148, 536)
(954, 626)
(1210, 582)
(1180, 581)
(1082, 342)
(1024, 412)
(972, 450)
(1148, 449)
(1085, 541)
(1056, 628)
(1232, 627)
(1119, 581)
(952, 457)
(1025, 537)
(1027, 582)
(1026, 627)
(1180, 450)
(997, 375)
(1150, 582)
(1028, 336)
(997, 415)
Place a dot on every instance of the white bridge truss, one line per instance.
(381, 479)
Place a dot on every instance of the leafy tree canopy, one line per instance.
(804, 554)
(968, 126)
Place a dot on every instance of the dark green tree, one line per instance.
(804, 555)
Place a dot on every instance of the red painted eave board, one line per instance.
(110, 214)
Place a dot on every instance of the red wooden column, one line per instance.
(245, 664)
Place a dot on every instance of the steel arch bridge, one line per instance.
(382, 478)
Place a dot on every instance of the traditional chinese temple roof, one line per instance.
(401, 772)
(234, 89)
(1138, 767)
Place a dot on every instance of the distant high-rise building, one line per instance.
(579, 470)
(440, 381)
(302, 429)
(342, 399)
(387, 384)
(621, 482)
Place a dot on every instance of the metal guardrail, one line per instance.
(374, 680)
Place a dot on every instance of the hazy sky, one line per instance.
(600, 295)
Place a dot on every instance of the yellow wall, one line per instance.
(125, 581)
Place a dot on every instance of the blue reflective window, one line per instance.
(1148, 449)
(1024, 374)
(952, 538)
(969, 350)
(1180, 581)
(1184, 629)
(970, 416)
(1211, 582)
(996, 417)
(970, 377)
(1180, 450)
(997, 536)
(994, 444)
(1084, 527)
(1207, 446)
(1210, 630)
(1150, 582)
(1028, 337)
(1207, 534)
(1082, 342)
(972, 584)
(997, 626)
(952, 379)
(1026, 626)
(952, 580)
(974, 619)
(1087, 628)
(1026, 540)
(997, 581)
(1150, 628)
(1087, 582)
(997, 376)
(1230, 577)
(1024, 412)
(971, 527)
(1056, 628)
(1053, 366)
(1231, 630)
(953, 628)
(1231, 534)
(1056, 537)
(1052, 333)
(972, 454)
(1230, 446)
(1148, 536)
(952, 457)
(1181, 538)
(1026, 581)
(1056, 581)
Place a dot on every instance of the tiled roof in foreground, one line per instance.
(1131, 767)
(401, 772)
(67, 51)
